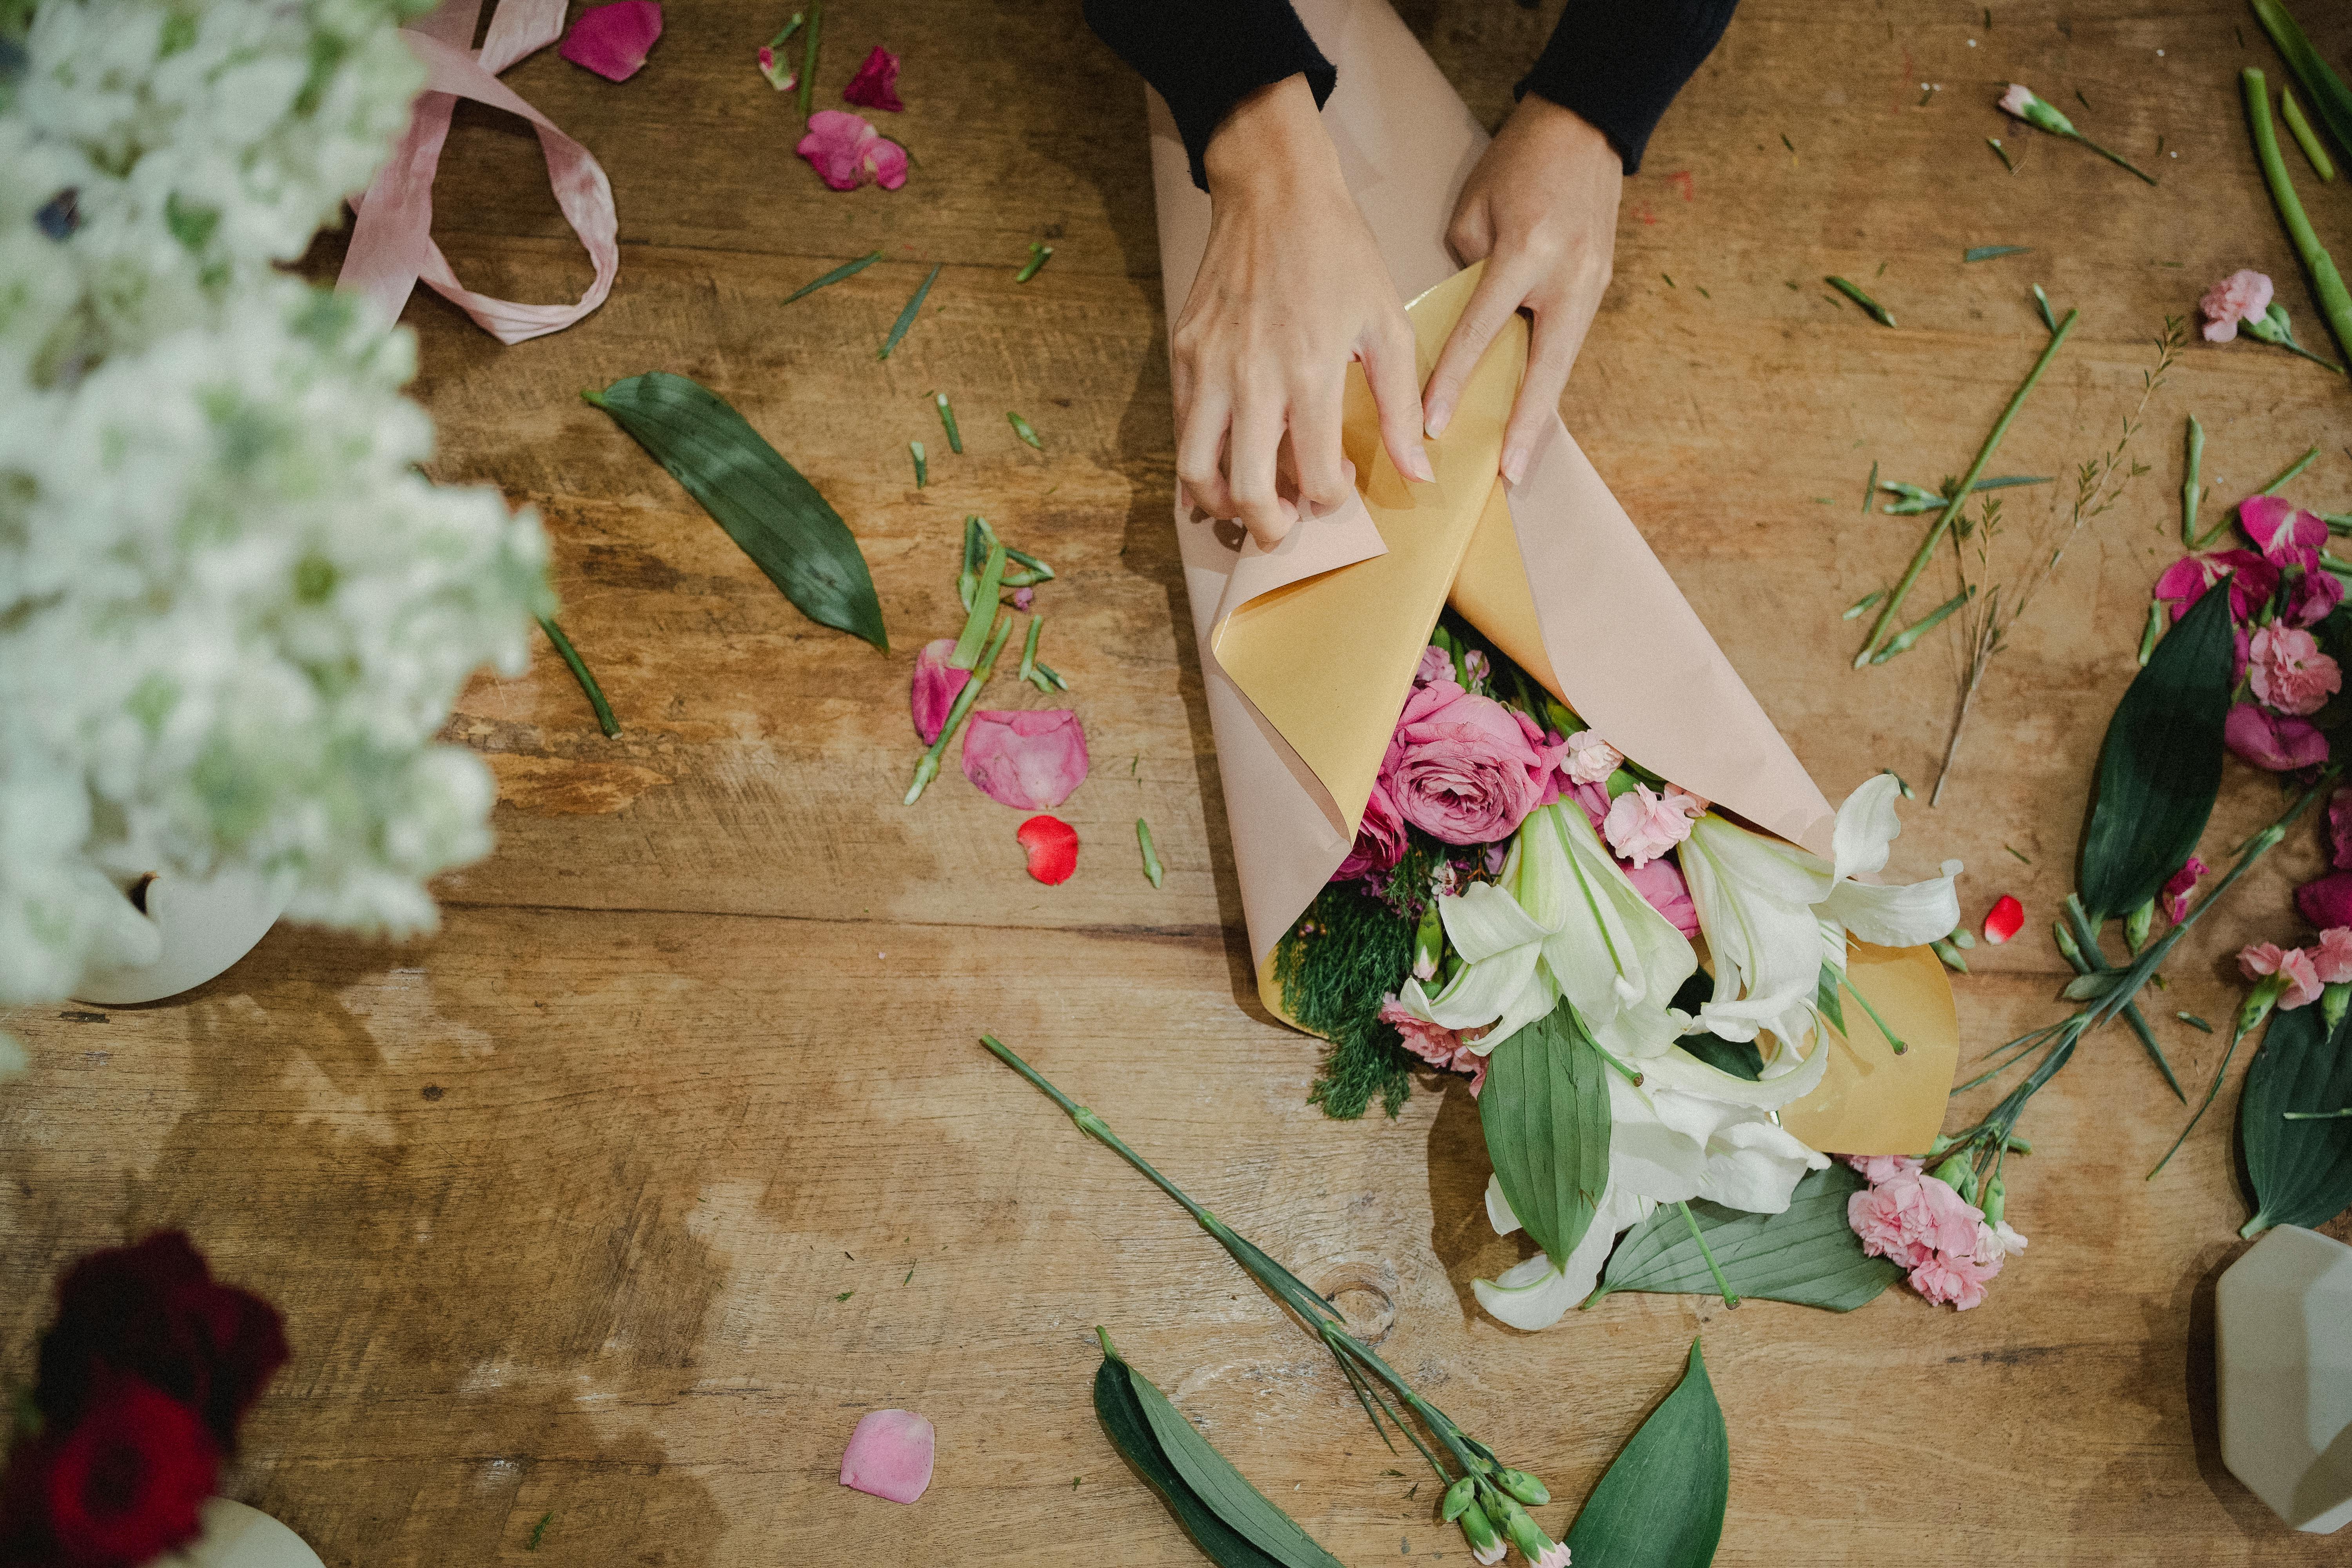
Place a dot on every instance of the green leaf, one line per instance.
(906, 319)
(1167, 1450)
(846, 269)
(2089, 987)
(2325, 89)
(1661, 1503)
(1546, 1114)
(1807, 1254)
(2302, 1170)
(1740, 1058)
(1828, 988)
(1987, 252)
(762, 500)
(2160, 765)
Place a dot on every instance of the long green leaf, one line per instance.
(1807, 1253)
(2160, 765)
(1125, 1420)
(1661, 1503)
(763, 503)
(906, 316)
(1546, 1115)
(1216, 1483)
(2325, 89)
(2302, 1170)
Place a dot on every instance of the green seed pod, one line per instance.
(1458, 1497)
(1523, 1487)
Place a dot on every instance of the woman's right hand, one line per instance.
(1291, 288)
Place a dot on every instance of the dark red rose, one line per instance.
(154, 1310)
(121, 1488)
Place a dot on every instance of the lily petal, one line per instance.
(1866, 829)
(1897, 916)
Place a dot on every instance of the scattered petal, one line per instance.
(1053, 848)
(613, 40)
(1029, 759)
(844, 151)
(2279, 742)
(875, 85)
(889, 1455)
(936, 686)
(2175, 897)
(2003, 920)
(777, 70)
(2328, 902)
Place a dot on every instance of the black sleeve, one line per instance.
(1619, 63)
(1205, 55)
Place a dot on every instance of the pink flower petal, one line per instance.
(845, 151)
(2284, 533)
(889, 1455)
(1052, 846)
(613, 40)
(2326, 903)
(2273, 741)
(2339, 829)
(1030, 761)
(875, 85)
(935, 688)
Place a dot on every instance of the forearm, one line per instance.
(1206, 56)
(1619, 63)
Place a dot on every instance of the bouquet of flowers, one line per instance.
(233, 614)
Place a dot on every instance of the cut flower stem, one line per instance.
(605, 720)
(2326, 283)
(928, 768)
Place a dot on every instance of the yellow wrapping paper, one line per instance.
(1308, 648)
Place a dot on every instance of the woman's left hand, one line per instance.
(1540, 209)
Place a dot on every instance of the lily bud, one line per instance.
(2333, 1000)
(1458, 1497)
(1486, 1544)
(1428, 943)
(2135, 925)
(1523, 1487)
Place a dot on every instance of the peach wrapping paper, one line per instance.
(1631, 656)
(391, 242)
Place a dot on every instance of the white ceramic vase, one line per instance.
(236, 1536)
(206, 925)
(2283, 1320)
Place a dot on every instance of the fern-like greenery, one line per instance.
(1345, 954)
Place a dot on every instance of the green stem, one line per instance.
(605, 720)
(928, 768)
(808, 57)
(2305, 137)
(1893, 1038)
(2326, 283)
(1950, 514)
(2211, 1093)
(2315, 1115)
(2189, 486)
(2111, 158)
(2293, 470)
(1730, 1299)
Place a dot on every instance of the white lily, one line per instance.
(1563, 921)
(1665, 1145)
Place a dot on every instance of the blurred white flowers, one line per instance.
(233, 614)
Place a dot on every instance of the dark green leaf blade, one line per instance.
(1546, 1117)
(1661, 1503)
(2328, 95)
(1130, 1431)
(846, 269)
(2160, 765)
(762, 501)
(906, 316)
(1807, 1254)
(2302, 1171)
(1223, 1488)
(1987, 252)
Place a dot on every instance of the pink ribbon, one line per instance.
(391, 242)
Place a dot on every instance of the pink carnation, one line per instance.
(1435, 665)
(846, 152)
(2017, 100)
(2265, 958)
(1909, 1217)
(1438, 1046)
(1464, 768)
(1953, 1278)
(2273, 741)
(2176, 893)
(1877, 1168)
(1643, 825)
(1590, 760)
(2331, 955)
(2242, 296)
(1379, 837)
(2289, 672)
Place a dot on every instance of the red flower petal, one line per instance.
(2001, 923)
(1052, 847)
(125, 1484)
(875, 85)
(613, 40)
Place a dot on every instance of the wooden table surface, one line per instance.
(622, 1197)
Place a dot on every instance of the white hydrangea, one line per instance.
(232, 613)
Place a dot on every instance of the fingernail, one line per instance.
(1421, 469)
(1435, 421)
(1515, 465)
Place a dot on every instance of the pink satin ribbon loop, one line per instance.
(393, 248)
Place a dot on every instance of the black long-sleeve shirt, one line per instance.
(1617, 63)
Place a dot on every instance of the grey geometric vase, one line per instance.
(2283, 1312)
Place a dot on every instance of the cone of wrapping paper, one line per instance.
(1308, 649)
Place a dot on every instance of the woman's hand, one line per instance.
(1291, 288)
(1541, 209)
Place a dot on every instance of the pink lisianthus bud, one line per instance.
(1379, 837)
(2175, 897)
(875, 85)
(2021, 101)
(613, 39)
(2285, 534)
(1590, 759)
(2331, 955)
(2017, 100)
(2291, 966)
(1643, 825)
(1029, 759)
(777, 70)
(845, 152)
(2242, 296)
(935, 686)
(1662, 887)
(2272, 741)
(2289, 672)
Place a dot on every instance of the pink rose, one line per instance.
(2265, 958)
(2289, 672)
(1643, 825)
(2242, 296)
(1440, 1048)
(1435, 665)
(1877, 1168)
(2272, 741)
(2331, 955)
(935, 686)
(1379, 837)
(2254, 578)
(1660, 885)
(2286, 535)
(2176, 893)
(1030, 760)
(1590, 759)
(2326, 903)
(1955, 1279)
(1462, 767)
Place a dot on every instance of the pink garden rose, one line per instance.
(1643, 825)
(2242, 296)
(1380, 838)
(1028, 760)
(2272, 741)
(2288, 672)
(1438, 1046)
(2331, 955)
(935, 686)
(2254, 578)
(1464, 768)
(2292, 965)
(846, 152)
(2175, 897)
